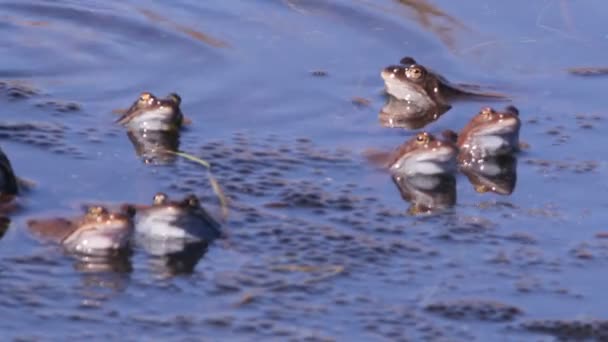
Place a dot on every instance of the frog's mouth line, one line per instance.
(502, 127)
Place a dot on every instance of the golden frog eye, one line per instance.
(487, 112)
(145, 97)
(160, 198)
(414, 72)
(96, 210)
(422, 138)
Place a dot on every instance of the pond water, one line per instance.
(284, 97)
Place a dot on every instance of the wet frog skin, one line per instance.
(9, 186)
(424, 154)
(422, 87)
(184, 220)
(149, 113)
(490, 133)
(98, 232)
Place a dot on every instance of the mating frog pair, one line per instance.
(489, 134)
(101, 232)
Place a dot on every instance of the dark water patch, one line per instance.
(18, 90)
(57, 106)
(576, 329)
(47, 136)
(567, 165)
(475, 309)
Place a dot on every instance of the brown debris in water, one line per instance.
(360, 101)
(197, 35)
(596, 329)
(475, 309)
(588, 71)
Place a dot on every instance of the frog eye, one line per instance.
(192, 201)
(422, 138)
(407, 60)
(414, 72)
(175, 98)
(487, 112)
(513, 110)
(96, 211)
(129, 210)
(145, 97)
(160, 198)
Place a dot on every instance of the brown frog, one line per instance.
(181, 220)
(424, 154)
(9, 184)
(423, 88)
(98, 232)
(490, 133)
(150, 113)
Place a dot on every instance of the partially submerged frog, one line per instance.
(424, 154)
(497, 175)
(183, 220)
(424, 88)
(427, 193)
(150, 113)
(98, 232)
(9, 184)
(490, 133)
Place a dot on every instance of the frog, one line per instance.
(490, 133)
(9, 184)
(423, 154)
(183, 220)
(98, 232)
(149, 113)
(425, 89)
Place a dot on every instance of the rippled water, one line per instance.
(319, 244)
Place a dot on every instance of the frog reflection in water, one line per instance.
(489, 134)
(422, 92)
(402, 114)
(427, 193)
(98, 232)
(496, 174)
(424, 154)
